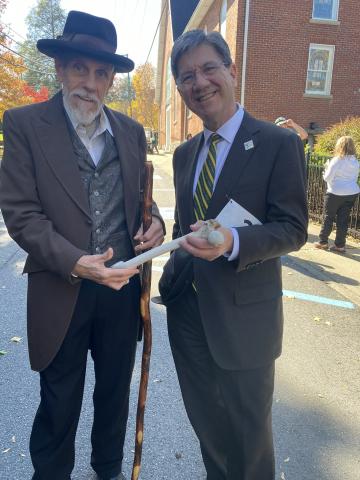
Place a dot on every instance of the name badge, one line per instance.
(249, 145)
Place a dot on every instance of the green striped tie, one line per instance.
(205, 184)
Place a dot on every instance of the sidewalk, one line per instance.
(340, 271)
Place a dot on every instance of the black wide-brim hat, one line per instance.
(90, 36)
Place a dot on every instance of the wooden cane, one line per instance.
(146, 319)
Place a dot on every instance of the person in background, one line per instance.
(70, 195)
(341, 175)
(290, 124)
(154, 142)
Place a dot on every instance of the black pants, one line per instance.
(336, 207)
(106, 322)
(230, 411)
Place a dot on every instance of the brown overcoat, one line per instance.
(46, 210)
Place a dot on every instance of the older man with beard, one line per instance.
(70, 184)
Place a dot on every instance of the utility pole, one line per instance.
(129, 95)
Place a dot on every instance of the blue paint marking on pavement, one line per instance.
(317, 299)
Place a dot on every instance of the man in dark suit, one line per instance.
(224, 302)
(70, 184)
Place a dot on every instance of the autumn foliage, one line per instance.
(14, 91)
(40, 96)
(143, 107)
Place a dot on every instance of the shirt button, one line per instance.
(97, 212)
(96, 193)
(97, 230)
(96, 175)
(97, 249)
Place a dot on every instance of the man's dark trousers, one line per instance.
(106, 322)
(230, 410)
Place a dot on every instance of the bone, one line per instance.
(209, 231)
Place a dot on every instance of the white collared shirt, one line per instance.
(227, 131)
(341, 174)
(94, 145)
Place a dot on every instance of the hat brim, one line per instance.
(53, 48)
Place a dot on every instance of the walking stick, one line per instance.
(146, 319)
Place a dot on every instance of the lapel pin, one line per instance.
(249, 145)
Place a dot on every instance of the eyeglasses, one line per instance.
(208, 70)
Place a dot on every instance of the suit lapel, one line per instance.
(128, 148)
(186, 180)
(241, 151)
(55, 141)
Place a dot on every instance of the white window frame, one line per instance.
(223, 16)
(328, 81)
(334, 13)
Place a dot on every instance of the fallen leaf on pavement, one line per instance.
(320, 395)
(2, 352)
(22, 455)
(282, 476)
(13, 439)
(287, 460)
(16, 339)
(6, 450)
(317, 319)
(328, 323)
(178, 455)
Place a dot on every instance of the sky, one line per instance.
(135, 22)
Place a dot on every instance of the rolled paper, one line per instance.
(207, 231)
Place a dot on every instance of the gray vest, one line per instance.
(105, 190)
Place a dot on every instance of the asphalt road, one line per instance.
(316, 403)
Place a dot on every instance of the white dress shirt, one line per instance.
(96, 142)
(227, 131)
(341, 175)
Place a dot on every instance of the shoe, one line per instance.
(321, 245)
(120, 476)
(334, 248)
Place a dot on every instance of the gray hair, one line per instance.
(194, 38)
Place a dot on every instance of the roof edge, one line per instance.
(199, 13)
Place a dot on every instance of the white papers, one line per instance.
(234, 215)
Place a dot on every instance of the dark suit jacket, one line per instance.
(240, 301)
(46, 210)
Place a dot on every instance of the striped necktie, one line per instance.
(205, 184)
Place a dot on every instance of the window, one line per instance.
(325, 9)
(321, 58)
(223, 13)
(168, 82)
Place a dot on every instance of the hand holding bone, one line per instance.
(93, 268)
(201, 246)
(208, 233)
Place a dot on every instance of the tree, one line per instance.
(325, 143)
(36, 96)
(2, 9)
(120, 95)
(144, 109)
(45, 20)
(12, 92)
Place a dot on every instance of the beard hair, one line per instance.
(83, 115)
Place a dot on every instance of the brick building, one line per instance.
(295, 59)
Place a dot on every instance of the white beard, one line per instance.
(82, 112)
